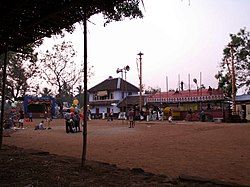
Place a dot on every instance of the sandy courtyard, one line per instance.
(209, 150)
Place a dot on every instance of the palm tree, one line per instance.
(46, 92)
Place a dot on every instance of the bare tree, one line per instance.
(58, 66)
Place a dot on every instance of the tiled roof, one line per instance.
(244, 97)
(113, 84)
(187, 96)
(131, 100)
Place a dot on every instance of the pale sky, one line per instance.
(175, 37)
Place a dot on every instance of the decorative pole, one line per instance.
(140, 77)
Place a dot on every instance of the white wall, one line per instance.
(104, 108)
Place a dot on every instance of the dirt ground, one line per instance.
(208, 150)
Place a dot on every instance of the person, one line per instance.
(45, 115)
(21, 118)
(89, 115)
(68, 122)
(242, 114)
(170, 118)
(103, 115)
(108, 116)
(111, 115)
(147, 114)
(189, 115)
(11, 119)
(49, 121)
(30, 117)
(202, 116)
(131, 119)
(40, 126)
(76, 119)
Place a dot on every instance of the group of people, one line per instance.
(47, 118)
(72, 122)
(15, 119)
(40, 126)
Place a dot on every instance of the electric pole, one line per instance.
(140, 78)
(85, 123)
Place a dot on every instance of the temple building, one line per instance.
(190, 103)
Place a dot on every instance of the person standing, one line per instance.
(67, 118)
(103, 115)
(46, 115)
(21, 118)
(89, 115)
(202, 116)
(131, 119)
(76, 119)
(170, 118)
(111, 115)
(30, 117)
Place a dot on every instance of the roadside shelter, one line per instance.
(243, 106)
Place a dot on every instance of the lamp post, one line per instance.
(140, 78)
(120, 70)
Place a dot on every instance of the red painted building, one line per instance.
(211, 101)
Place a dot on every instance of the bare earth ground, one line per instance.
(208, 150)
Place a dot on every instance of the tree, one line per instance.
(152, 90)
(59, 69)
(46, 92)
(237, 54)
(79, 89)
(21, 70)
(224, 83)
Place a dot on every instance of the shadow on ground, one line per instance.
(20, 167)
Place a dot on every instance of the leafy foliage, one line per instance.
(152, 90)
(237, 50)
(46, 92)
(24, 22)
(21, 68)
(224, 83)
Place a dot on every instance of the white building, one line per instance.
(105, 96)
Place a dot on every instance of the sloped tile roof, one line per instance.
(244, 97)
(187, 96)
(113, 84)
(132, 100)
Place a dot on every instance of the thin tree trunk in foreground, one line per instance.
(3, 95)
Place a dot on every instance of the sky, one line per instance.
(176, 38)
